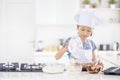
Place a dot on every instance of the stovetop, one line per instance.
(112, 71)
(23, 67)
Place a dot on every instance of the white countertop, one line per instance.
(61, 76)
(111, 56)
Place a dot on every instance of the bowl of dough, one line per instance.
(94, 68)
(54, 68)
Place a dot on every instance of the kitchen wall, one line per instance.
(103, 34)
(107, 33)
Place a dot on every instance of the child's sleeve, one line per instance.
(66, 41)
(64, 44)
(93, 46)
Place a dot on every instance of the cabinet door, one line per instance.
(20, 11)
(66, 10)
(55, 11)
(45, 11)
(16, 31)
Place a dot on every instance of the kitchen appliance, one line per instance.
(9, 66)
(115, 46)
(23, 67)
(112, 71)
(104, 47)
(31, 67)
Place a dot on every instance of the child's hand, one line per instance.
(100, 64)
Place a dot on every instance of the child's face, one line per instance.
(84, 31)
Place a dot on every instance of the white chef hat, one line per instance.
(87, 17)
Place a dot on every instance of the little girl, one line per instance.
(80, 48)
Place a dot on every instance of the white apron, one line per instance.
(78, 53)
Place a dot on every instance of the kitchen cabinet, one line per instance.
(66, 11)
(63, 11)
(45, 11)
(55, 11)
(0, 12)
(16, 30)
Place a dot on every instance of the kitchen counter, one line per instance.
(67, 75)
(112, 57)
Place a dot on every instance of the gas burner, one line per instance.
(112, 71)
(9, 66)
(23, 67)
(31, 67)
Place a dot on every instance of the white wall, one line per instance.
(107, 33)
(103, 34)
(48, 32)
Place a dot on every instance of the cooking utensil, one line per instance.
(115, 46)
